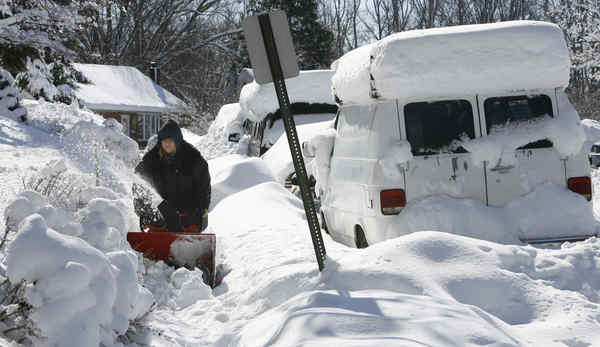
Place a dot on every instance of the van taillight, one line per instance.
(392, 201)
(581, 185)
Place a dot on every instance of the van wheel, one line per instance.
(359, 237)
(324, 223)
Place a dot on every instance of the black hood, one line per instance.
(171, 130)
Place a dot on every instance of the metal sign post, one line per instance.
(260, 28)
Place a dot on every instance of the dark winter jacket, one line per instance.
(182, 179)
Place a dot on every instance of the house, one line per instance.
(127, 95)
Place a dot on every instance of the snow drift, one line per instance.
(476, 59)
(234, 173)
(504, 295)
(82, 277)
(68, 245)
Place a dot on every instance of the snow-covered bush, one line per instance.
(55, 118)
(72, 276)
(9, 98)
(79, 274)
(104, 152)
(58, 184)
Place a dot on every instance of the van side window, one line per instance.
(437, 127)
(502, 111)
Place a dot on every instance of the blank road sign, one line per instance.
(258, 53)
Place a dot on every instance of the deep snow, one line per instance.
(426, 288)
(477, 59)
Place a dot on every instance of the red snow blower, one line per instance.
(190, 248)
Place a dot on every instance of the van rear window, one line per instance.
(502, 111)
(437, 127)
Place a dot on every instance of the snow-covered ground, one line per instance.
(426, 288)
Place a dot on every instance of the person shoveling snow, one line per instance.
(179, 173)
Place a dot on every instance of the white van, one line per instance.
(500, 134)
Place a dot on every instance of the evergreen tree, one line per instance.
(36, 41)
(10, 98)
(313, 41)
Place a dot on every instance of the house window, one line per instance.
(150, 125)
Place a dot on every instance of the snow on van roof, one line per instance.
(123, 88)
(258, 100)
(453, 61)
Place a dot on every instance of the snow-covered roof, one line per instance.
(452, 61)
(258, 100)
(123, 88)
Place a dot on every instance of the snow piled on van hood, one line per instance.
(565, 132)
(258, 100)
(458, 60)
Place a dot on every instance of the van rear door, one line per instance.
(517, 172)
(440, 165)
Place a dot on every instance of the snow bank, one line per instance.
(548, 211)
(80, 296)
(105, 223)
(279, 159)
(111, 138)
(103, 152)
(375, 318)
(216, 141)
(55, 118)
(80, 273)
(565, 132)
(257, 100)
(234, 173)
(413, 289)
(123, 88)
(476, 59)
